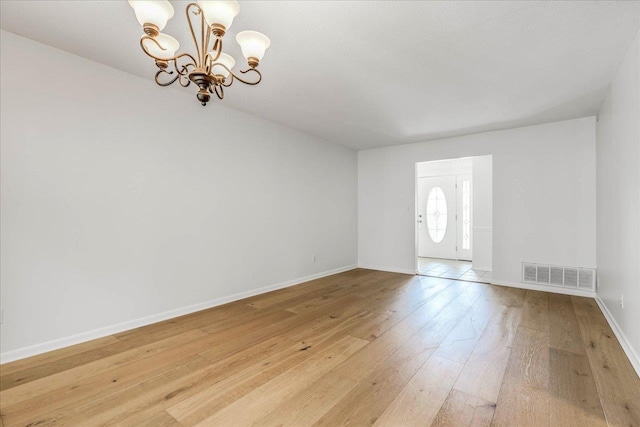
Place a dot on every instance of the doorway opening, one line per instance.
(454, 209)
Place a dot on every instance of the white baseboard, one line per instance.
(21, 353)
(622, 338)
(389, 269)
(552, 289)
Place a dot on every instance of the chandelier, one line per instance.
(210, 70)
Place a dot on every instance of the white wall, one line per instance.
(543, 196)
(618, 200)
(123, 200)
(482, 230)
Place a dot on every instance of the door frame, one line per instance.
(416, 207)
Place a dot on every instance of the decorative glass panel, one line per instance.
(466, 214)
(436, 214)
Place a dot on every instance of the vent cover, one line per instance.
(568, 277)
(586, 279)
(557, 276)
(529, 272)
(543, 274)
(571, 277)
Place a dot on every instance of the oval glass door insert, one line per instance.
(436, 214)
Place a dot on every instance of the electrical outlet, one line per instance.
(313, 258)
(621, 301)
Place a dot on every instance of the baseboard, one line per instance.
(33, 350)
(389, 269)
(552, 289)
(622, 338)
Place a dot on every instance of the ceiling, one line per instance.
(376, 73)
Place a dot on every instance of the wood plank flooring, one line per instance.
(359, 348)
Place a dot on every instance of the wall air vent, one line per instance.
(586, 279)
(571, 277)
(529, 273)
(557, 276)
(543, 274)
(553, 275)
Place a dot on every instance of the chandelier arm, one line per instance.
(193, 34)
(184, 81)
(183, 72)
(170, 82)
(184, 69)
(206, 45)
(203, 51)
(207, 64)
(245, 72)
(217, 48)
(208, 59)
(219, 91)
(235, 76)
(144, 49)
(228, 81)
(182, 75)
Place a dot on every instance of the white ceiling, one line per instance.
(375, 73)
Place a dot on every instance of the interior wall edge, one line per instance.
(618, 197)
(622, 338)
(22, 353)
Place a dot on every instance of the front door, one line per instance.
(437, 228)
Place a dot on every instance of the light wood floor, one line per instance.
(452, 269)
(358, 348)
